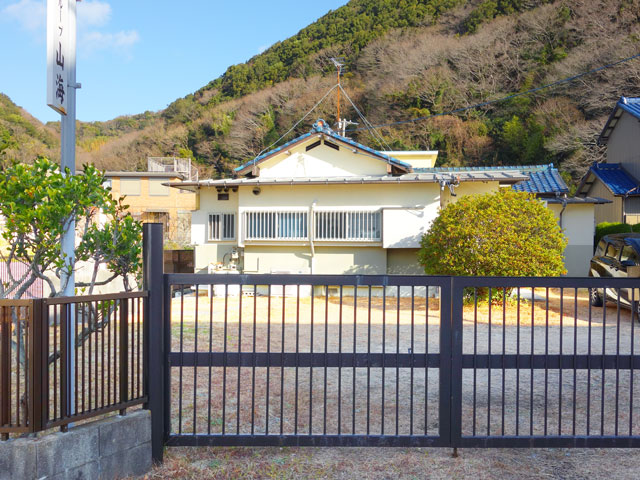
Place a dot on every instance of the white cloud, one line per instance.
(30, 14)
(94, 41)
(93, 14)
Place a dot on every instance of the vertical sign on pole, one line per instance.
(57, 53)
(61, 96)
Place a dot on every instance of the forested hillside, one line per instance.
(408, 59)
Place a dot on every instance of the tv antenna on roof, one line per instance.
(338, 62)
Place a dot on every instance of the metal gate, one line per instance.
(308, 360)
(399, 361)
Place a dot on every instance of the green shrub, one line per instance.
(607, 228)
(635, 228)
(499, 234)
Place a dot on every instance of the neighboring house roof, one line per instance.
(321, 128)
(617, 180)
(543, 180)
(631, 105)
(577, 200)
(506, 176)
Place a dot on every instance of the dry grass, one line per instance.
(582, 326)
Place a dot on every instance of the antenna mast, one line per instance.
(338, 63)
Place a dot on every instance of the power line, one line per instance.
(508, 97)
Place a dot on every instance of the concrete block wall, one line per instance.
(115, 447)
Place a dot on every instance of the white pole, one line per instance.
(68, 160)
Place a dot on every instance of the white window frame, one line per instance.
(272, 223)
(223, 217)
(326, 230)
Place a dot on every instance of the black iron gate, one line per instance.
(308, 360)
(399, 361)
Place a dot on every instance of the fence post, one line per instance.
(154, 358)
(123, 345)
(37, 365)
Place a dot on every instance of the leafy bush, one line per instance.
(498, 234)
(636, 228)
(607, 228)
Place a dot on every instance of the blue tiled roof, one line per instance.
(321, 127)
(543, 179)
(616, 178)
(631, 105)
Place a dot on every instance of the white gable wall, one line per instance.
(624, 143)
(321, 161)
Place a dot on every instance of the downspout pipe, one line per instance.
(564, 206)
(312, 234)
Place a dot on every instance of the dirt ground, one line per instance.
(400, 399)
(395, 463)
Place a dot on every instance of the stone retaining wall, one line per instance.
(114, 447)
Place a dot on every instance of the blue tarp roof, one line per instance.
(543, 179)
(631, 105)
(616, 178)
(321, 127)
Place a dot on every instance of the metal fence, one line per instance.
(400, 361)
(67, 359)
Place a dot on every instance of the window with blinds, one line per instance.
(222, 226)
(353, 225)
(278, 225)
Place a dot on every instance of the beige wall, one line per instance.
(209, 203)
(403, 262)
(174, 204)
(468, 188)
(579, 228)
(624, 144)
(321, 161)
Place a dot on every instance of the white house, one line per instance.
(325, 204)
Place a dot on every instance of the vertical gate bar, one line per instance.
(195, 363)
(533, 307)
(284, 287)
(56, 361)
(340, 363)
(266, 415)
(211, 290)
(475, 356)
(631, 373)
(182, 360)
(384, 342)
(5, 368)
(489, 340)
(91, 315)
(239, 356)
(95, 354)
(397, 358)
(589, 374)
(369, 362)
(618, 362)
(295, 424)
(224, 358)
(37, 362)
(518, 362)
(76, 364)
(311, 364)
(426, 352)
(413, 359)
(546, 360)
(602, 378)
(64, 380)
(139, 341)
(575, 357)
(253, 361)
(504, 346)
(353, 379)
(124, 352)
(18, 342)
(450, 362)
(326, 344)
(83, 372)
(560, 369)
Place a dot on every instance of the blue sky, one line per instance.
(141, 55)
